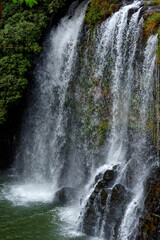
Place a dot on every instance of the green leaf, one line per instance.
(29, 3)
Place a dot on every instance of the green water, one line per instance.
(31, 221)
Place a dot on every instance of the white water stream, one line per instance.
(43, 135)
(41, 156)
(132, 89)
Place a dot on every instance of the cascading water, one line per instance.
(59, 146)
(143, 166)
(43, 140)
(119, 34)
(129, 150)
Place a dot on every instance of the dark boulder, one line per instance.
(98, 177)
(89, 220)
(109, 175)
(103, 197)
(94, 211)
(119, 198)
(65, 195)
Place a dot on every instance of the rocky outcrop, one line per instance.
(96, 204)
(149, 223)
(97, 214)
(118, 202)
(149, 9)
(65, 195)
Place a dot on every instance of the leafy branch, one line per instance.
(29, 3)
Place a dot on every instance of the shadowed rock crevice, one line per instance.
(149, 223)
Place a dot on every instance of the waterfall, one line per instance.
(129, 150)
(119, 35)
(82, 95)
(143, 166)
(40, 158)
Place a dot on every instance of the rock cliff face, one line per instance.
(97, 217)
(149, 223)
(107, 204)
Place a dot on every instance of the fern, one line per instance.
(29, 3)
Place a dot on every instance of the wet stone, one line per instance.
(98, 177)
(97, 189)
(101, 184)
(93, 195)
(115, 167)
(120, 197)
(65, 195)
(104, 196)
(109, 175)
(119, 193)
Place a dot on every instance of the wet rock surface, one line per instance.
(96, 215)
(149, 223)
(118, 202)
(65, 195)
(145, 10)
(95, 207)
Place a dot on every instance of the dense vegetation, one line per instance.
(21, 29)
(152, 24)
(99, 10)
(29, 3)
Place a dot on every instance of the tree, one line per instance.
(29, 3)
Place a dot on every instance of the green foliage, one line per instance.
(96, 115)
(21, 30)
(29, 3)
(153, 3)
(152, 26)
(12, 81)
(99, 10)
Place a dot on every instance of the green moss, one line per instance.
(96, 122)
(153, 3)
(99, 10)
(103, 127)
(152, 26)
(152, 23)
(21, 29)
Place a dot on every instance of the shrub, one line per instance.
(152, 26)
(21, 29)
(99, 10)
